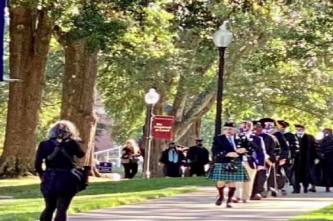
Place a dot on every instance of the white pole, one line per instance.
(149, 141)
(119, 156)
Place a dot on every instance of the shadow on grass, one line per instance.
(20, 216)
(126, 186)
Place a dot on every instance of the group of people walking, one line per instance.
(259, 157)
(193, 159)
(253, 160)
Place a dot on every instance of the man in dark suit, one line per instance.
(197, 157)
(254, 160)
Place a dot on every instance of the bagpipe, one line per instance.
(242, 142)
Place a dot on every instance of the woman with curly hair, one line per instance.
(58, 183)
(130, 158)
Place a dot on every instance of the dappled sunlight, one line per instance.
(200, 206)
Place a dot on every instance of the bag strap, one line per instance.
(55, 151)
(62, 150)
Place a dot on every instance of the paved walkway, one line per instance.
(200, 206)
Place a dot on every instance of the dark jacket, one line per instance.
(46, 148)
(172, 169)
(260, 152)
(285, 150)
(271, 146)
(127, 157)
(293, 144)
(199, 155)
(165, 158)
(304, 159)
(58, 178)
(221, 147)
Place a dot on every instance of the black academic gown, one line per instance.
(304, 161)
(323, 175)
(293, 150)
(273, 151)
(172, 169)
(197, 157)
(285, 154)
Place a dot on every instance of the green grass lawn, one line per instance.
(323, 214)
(28, 202)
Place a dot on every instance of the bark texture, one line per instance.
(193, 133)
(79, 93)
(30, 34)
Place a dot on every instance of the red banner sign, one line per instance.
(162, 127)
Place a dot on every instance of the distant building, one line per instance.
(103, 139)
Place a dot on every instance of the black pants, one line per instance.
(130, 170)
(297, 186)
(172, 170)
(259, 182)
(55, 202)
(197, 169)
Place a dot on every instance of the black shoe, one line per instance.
(229, 205)
(313, 189)
(274, 193)
(296, 192)
(236, 200)
(328, 190)
(219, 202)
(306, 190)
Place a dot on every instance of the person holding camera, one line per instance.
(227, 168)
(60, 181)
(130, 158)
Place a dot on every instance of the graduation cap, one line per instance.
(299, 126)
(263, 121)
(230, 125)
(199, 140)
(328, 129)
(256, 123)
(282, 124)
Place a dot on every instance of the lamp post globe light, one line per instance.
(221, 38)
(151, 98)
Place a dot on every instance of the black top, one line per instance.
(128, 153)
(293, 144)
(165, 157)
(285, 149)
(221, 147)
(60, 161)
(198, 154)
(272, 146)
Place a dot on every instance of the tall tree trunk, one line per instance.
(79, 93)
(30, 33)
(193, 133)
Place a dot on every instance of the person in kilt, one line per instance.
(227, 168)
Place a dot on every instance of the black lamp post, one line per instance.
(222, 38)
